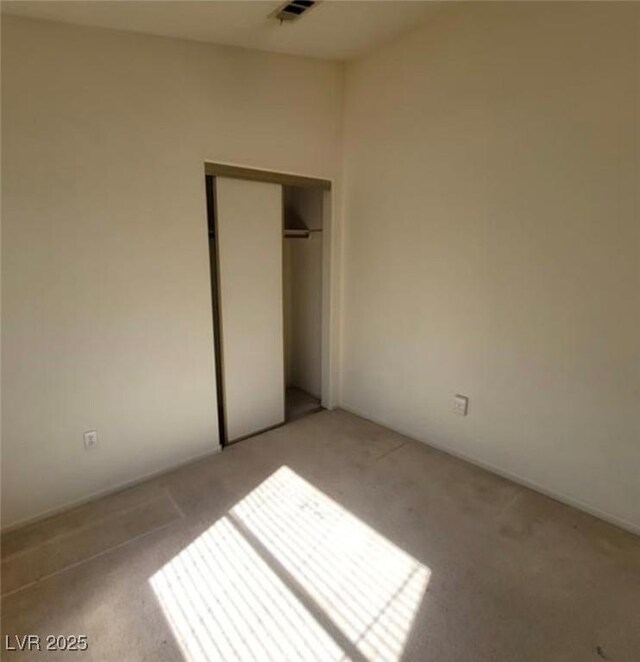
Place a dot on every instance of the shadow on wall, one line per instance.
(289, 574)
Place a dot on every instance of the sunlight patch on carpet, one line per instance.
(289, 574)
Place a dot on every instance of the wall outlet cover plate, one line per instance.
(460, 405)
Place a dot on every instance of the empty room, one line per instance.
(320, 331)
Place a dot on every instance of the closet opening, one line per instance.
(270, 285)
(302, 289)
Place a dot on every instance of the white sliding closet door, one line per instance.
(249, 232)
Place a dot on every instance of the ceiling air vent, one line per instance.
(293, 10)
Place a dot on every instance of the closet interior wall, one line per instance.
(302, 273)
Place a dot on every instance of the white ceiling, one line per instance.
(334, 29)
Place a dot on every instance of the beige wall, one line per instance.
(492, 244)
(106, 293)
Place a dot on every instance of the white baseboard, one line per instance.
(106, 492)
(516, 478)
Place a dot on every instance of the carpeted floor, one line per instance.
(329, 538)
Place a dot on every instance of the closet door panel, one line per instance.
(249, 229)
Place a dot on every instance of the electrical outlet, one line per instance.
(90, 439)
(460, 405)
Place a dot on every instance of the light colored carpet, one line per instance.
(329, 538)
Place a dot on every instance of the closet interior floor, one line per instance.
(299, 403)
